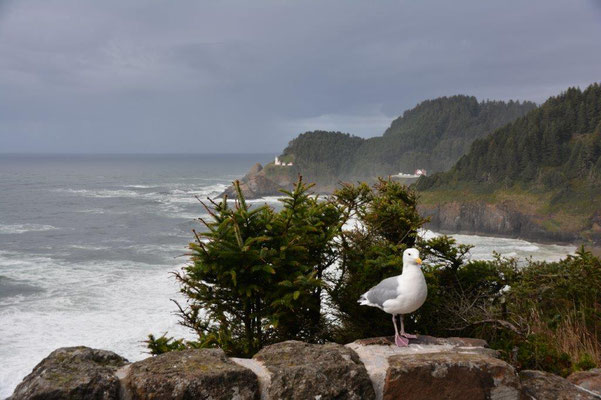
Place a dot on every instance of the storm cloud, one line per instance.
(248, 76)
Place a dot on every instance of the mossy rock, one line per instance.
(73, 373)
(190, 374)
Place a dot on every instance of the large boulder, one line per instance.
(541, 385)
(190, 374)
(311, 371)
(436, 368)
(450, 375)
(590, 380)
(73, 373)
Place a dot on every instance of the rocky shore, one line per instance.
(505, 220)
(492, 220)
(432, 368)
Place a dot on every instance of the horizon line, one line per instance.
(130, 154)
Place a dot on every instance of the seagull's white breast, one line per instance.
(412, 292)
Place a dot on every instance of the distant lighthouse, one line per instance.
(280, 163)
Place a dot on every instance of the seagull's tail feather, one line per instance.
(365, 302)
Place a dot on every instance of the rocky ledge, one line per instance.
(432, 368)
(257, 184)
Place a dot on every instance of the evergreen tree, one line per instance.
(255, 273)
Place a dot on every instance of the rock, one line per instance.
(543, 385)
(590, 380)
(312, 371)
(190, 374)
(436, 368)
(255, 184)
(450, 375)
(255, 169)
(503, 219)
(73, 373)
(427, 341)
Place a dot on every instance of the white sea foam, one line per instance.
(141, 186)
(485, 246)
(99, 193)
(22, 228)
(176, 193)
(109, 305)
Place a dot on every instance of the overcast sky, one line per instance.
(248, 76)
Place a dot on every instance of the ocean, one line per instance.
(88, 244)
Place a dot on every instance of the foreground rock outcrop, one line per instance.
(310, 371)
(541, 385)
(73, 373)
(433, 368)
(189, 374)
(589, 380)
(429, 368)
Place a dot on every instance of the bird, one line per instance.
(400, 295)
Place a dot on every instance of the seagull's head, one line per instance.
(411, 256)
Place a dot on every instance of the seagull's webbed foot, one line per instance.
(401, 341)
(408, 336)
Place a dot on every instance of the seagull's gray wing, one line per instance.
(385, 290)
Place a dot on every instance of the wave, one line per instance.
(141, 186)
(173, 193)
(99, 193)
(22, 228)
(101, 304)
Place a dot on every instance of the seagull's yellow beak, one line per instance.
(419, 261)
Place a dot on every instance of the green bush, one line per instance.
(255, 276)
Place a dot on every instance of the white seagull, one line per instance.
(401, 294)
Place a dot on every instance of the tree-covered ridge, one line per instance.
(323, 156)
(433, 135)
(557, 144)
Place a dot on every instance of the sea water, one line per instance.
(88, 244)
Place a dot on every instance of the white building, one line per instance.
(280, 163)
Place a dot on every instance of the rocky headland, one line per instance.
(270, 180)
(432, 368)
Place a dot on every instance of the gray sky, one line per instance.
(248, 76)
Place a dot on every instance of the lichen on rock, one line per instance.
(73, 373)
(308, 371)
(190, 374)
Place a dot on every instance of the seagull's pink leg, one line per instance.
(403, 333)
(398, 339)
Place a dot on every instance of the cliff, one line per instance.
(503, 219)
(432, 368)
(270, 180)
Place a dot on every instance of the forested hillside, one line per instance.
(557, 144)
(433, 135)
(323, 157)
(543, 172)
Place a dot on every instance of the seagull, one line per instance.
(401, 294)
